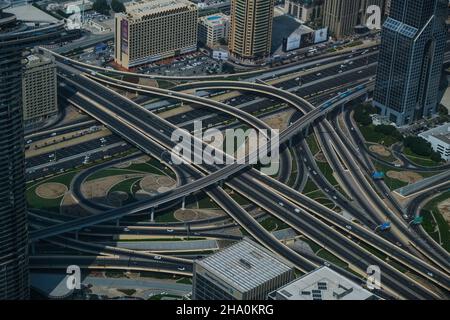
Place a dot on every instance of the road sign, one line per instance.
(418, 220)
(386, 225)
(378, 175)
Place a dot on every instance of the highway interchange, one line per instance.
(371, 203)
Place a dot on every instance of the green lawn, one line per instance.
(432, 226)
(309, 186)
(110, 172)
(126, 186)
(165, 217)
(272, 224)
(36, 202)
(420, 160)
(312, 143)
(185, 280)
(327, 172)
(371, 135)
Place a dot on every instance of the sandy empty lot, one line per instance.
(444, 209)
(405, 176)
(380, 150)
(51, 190)
(196, 214)
(279, 121)
(153, 183)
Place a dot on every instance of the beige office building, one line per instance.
(251, 29)
(152, 30)
(341, 16)
(39, 89)
(213, 28)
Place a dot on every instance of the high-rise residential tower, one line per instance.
(251, 29)
(342, 16)
(14, 37)
(410, 61)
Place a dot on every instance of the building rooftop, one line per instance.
(245, 265)
(215, 19)
(324, 284)
(37, 59)
(441, 132)
(142, 8)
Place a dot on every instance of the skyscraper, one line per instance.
(341, 16)
(251, 29)
(14, 37)
(410, 60)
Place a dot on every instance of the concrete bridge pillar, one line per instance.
(152, 215)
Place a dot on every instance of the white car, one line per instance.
(430, 274)
(169, 230)
(297, 210)
(181, 268)
(327, 264)
(157, 257)
(348, 227)
(281, 204)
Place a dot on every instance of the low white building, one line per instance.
(439, 138)
(322, 284)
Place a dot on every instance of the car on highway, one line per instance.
(169, 230)
(157, 257)
(281, 204)
(181, 268)
(297, 210)
(348, 227)
(126, 229)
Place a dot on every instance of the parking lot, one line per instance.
(196, 63)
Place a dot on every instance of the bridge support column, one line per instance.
(152, 215)
(183, 203)
(290, 143)
(117, 222)
(33, 248)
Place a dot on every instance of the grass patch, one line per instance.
(165, 217)
(126, 186)
(110, 172)
(310, 186)
(272, 224)
(312, 143)
(418, 159)
(128, 292)
(36, 202)
(434, 223)
(185, 281)
(327, 171)
(371, 135)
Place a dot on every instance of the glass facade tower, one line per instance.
(15, 36)
(412, 50)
